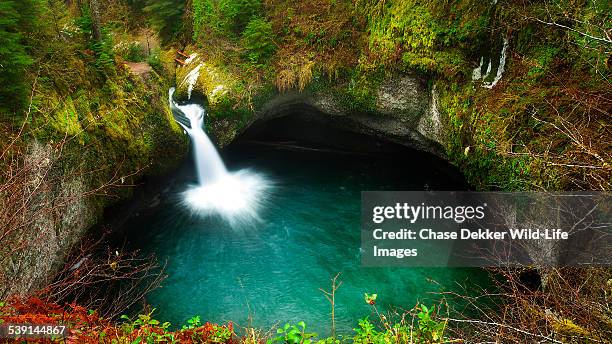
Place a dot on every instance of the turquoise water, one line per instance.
(272, 271)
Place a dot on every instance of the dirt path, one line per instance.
(139, 68)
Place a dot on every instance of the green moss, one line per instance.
(119, 127)
(475, 140)
(360, 95)
(431, 37)
(567, 328)
(66, 120)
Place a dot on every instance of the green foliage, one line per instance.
(370, 299)
(135, 53)
(150, 330)
(329, 340)
(397, 333)
(103, 49)
(475, 154)
(292, 334)
(141, 320)
(257, 38)
(430, 36)
(427, 330)
(361, 94)
(478, 139)
(145, 325)
(193, 322)
(220, 334)
(154, 60)
(558, 56)
(225, 17)
(16, 19)
(543, 57)
(66, 120)
(84, 22)
(164, 15)
(430, 330)
(366, 332)
(403, 23)
(578, 29)
(202, 14)
(130, 51)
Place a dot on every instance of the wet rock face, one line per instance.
(402, 103)
(55, 218)
(430, 124)
(404, 96)
(53, 199)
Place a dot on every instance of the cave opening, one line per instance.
(301, 128)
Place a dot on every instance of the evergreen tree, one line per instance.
(16, 19)
(164, 15)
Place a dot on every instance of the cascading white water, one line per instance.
(209, 165)
(236, 196)
(477, 72)
(501, 66)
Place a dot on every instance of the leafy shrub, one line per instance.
(257, 38)
(226, 17)
(86, 326)
(366, 332)
(103, 49)
(154, 60)
(135, 53)
(292, 334)
(144, 324)
(429, 330)
(132, 51)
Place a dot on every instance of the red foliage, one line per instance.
(87, 327)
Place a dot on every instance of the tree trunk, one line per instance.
(94, 9)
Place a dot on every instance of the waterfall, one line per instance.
(191, 79)
(477, 72)
(501, 66)
(209, 165)
(235, 196)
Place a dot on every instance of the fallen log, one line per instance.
(182, 54)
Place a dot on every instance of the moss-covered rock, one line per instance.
(389, 106)
(83, 150)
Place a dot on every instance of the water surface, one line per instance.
(271, 271)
